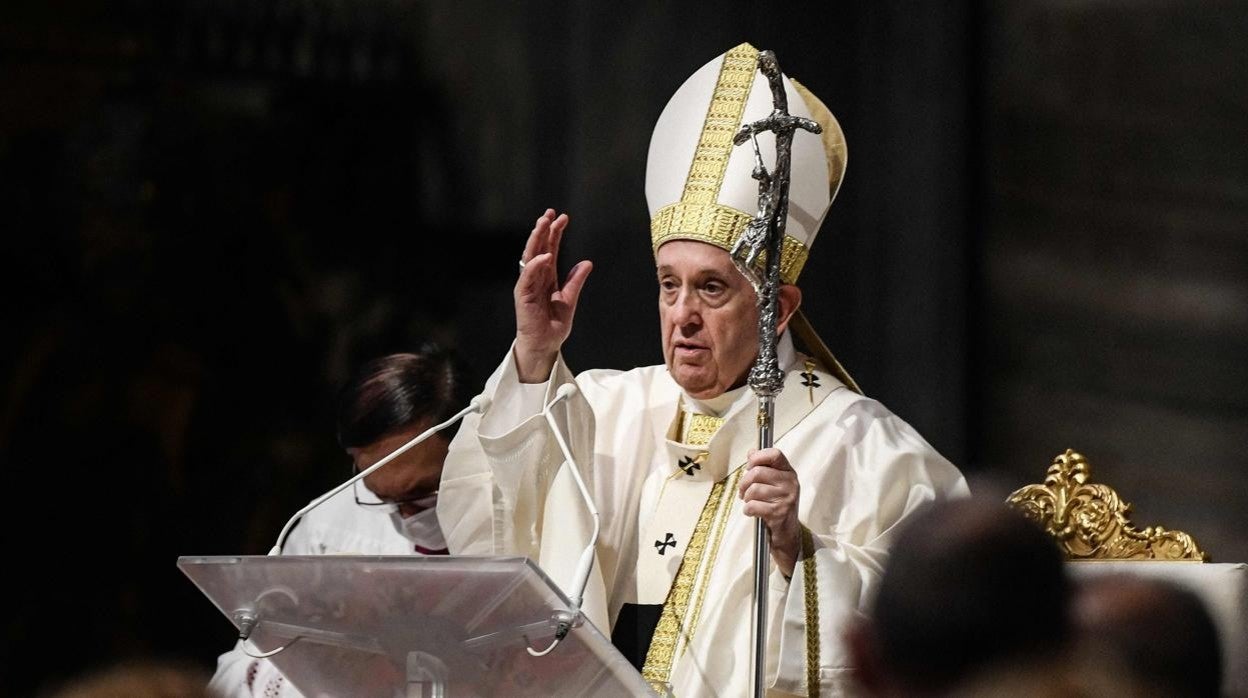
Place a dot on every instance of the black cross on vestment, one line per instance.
(689, 465)
(661, 545)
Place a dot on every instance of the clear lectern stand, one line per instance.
(414, 626)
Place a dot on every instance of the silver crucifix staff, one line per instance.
(764, 239)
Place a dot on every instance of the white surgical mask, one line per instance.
(422, 528)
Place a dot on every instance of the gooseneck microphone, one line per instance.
(581, 577)
(479, 404)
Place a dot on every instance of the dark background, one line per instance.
(211, 211)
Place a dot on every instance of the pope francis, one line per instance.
(667, 451)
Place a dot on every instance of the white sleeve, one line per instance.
(894, 472)
(500, 466)
(504, 478)
(512, 402)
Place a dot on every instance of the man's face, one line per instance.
(413, 475)
(708, 317)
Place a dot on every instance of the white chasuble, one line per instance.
(672, 529)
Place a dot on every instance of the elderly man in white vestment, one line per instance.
(668, 451)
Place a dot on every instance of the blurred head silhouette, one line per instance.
(1156, 638)
(140, 679)
(970, 586)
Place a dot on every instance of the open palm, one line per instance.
(544, 309)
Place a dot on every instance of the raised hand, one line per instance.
(544, 309)
(770, 490)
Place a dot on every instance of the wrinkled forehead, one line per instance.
(688, 256)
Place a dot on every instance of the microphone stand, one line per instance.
(765, 234)
(581, 576)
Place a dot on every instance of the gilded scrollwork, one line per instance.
(1091, 522)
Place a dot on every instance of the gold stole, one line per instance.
(679, 618)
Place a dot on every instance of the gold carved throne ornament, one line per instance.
(1090, 521)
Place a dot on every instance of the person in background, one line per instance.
(390, 512)
(1154, 638)
(972, 592)
(139, 679)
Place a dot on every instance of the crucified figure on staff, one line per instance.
(773, 188)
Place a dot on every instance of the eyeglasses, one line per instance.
(427, 500)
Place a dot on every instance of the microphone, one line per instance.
(479, 404)
(581, 578)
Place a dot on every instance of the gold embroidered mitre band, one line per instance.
(699, 184)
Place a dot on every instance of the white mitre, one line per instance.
(698, 184)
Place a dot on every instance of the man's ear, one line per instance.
(789, 299)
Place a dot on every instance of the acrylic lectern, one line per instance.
(414, 626)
